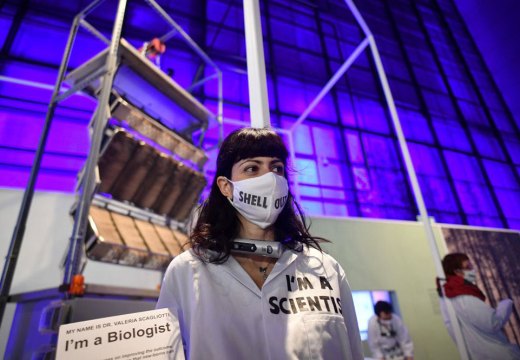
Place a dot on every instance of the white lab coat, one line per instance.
(481, 327)
(304, 310)
(383, 345)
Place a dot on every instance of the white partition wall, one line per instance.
(393, 255)
(376, 255)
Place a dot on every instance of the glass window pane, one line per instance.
(415, 126)
(486, 143)
(371, 115)
(451, 134)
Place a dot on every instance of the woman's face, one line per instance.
(256, 166)
(466, 265)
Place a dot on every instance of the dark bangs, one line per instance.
(248, 143)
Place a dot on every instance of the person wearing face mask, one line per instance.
(388, 337)
(481, 325)
(228, 304)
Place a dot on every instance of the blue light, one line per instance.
(347, 160)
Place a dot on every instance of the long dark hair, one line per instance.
(218, 224)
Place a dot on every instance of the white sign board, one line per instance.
(137, 336)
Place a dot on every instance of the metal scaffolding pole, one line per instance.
(99, 121)
(423, 213)
(258, 100)
(369, 41)
(19, 230)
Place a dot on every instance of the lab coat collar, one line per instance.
(233, 267)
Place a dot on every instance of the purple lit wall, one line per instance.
(494, 31)
(464, 143)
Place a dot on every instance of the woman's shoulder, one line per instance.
(187, 255)
(319, 255)
(185, 259)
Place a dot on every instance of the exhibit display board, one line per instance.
(494, 254)
(143, 335)
(393, 256)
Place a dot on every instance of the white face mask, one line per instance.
(261, 199)
(470, 276)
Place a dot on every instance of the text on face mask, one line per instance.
(260, 201)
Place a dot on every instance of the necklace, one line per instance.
(263, 271)
(256, 265)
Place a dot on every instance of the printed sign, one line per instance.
(137, 336)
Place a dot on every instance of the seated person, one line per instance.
(387, 336)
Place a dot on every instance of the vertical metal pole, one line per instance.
(19, 230)
(423, 213)
(99, 121)
(258, 100)
(459, 338)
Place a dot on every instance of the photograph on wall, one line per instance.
(494, 255)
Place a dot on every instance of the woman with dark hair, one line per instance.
(481, 325)
(230, 304)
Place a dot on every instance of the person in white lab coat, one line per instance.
(230, 305)
(388, 337)
(481, 325)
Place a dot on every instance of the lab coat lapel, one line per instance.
(232, 267)
(287, 258)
